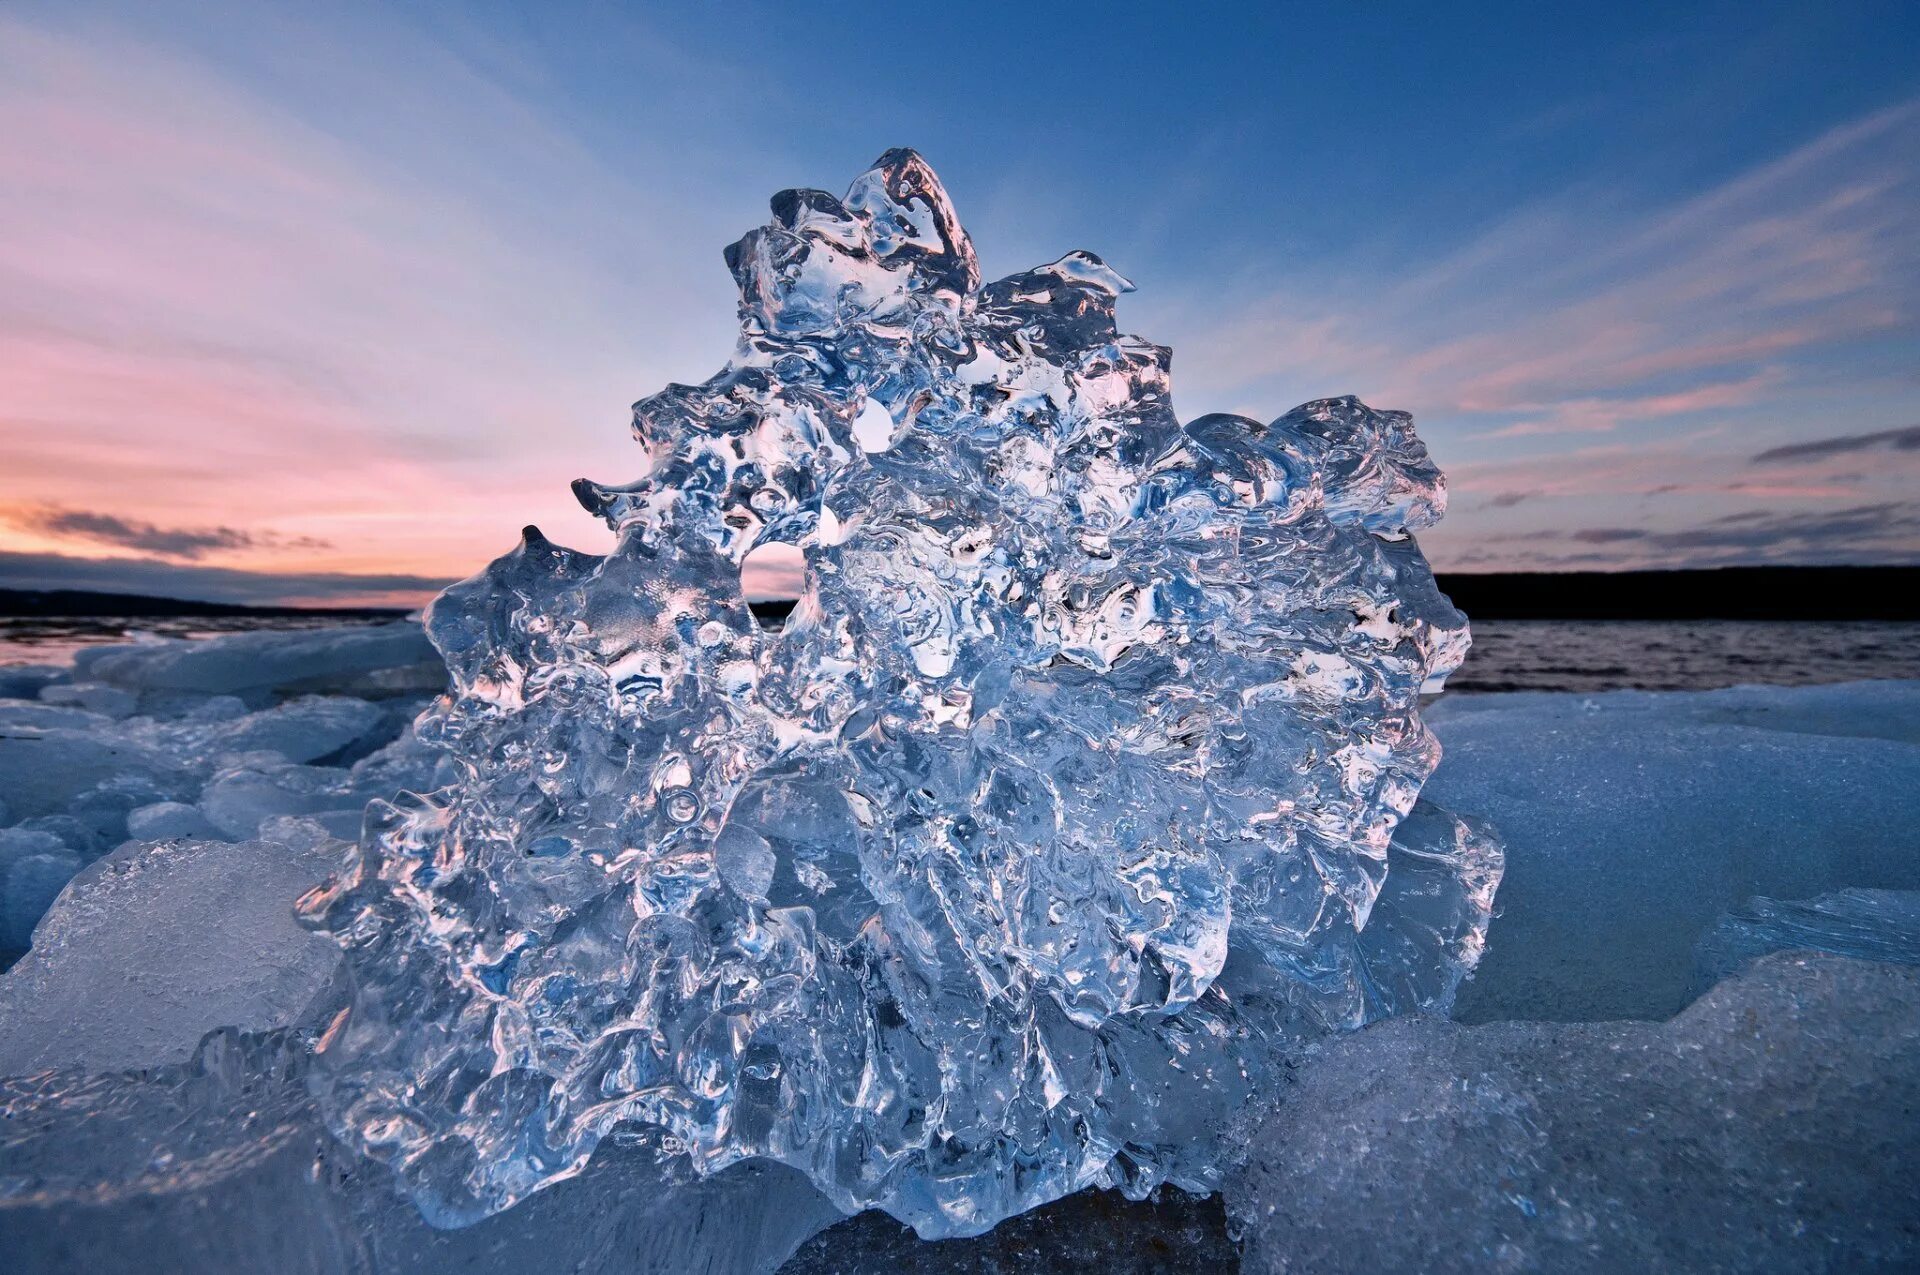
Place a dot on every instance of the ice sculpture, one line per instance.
(1076, 783)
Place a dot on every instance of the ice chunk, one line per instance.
(1875, 925)
(156, 945)
(108, 701)
(1769, 1127)
(240, 799)
(368, 660)
(200, 766)
(42, 716)
(68, 831)
(1067, 795)
(17, 843)
(214, 708)
(1633, 821)
(220, 1164)
(408, 764)
(164, 820)
(25, 681)
(43, 771)
(34, 866)
(308, 729)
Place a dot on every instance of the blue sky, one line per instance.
(324, 302)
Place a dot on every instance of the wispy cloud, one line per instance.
(1893, 440)
(384, 334)
(1789, 287)
(167, 542)
(1600, 415)
(1606, 535)
(1883, 532)
(1679, 332)
(214, 584)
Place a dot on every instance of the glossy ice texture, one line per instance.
(1768, 1127)
(1078, 782)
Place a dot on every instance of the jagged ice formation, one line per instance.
(1082, 778)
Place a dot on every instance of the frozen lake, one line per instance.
(1508, 655)
(1683, 655)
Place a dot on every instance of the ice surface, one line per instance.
(25, 681)
(1866, 709)
(1770, 1127)
(41, 716)
(365, 661)
(43, 772)
(157, 944)
(34, 865)
(196, 1168)
(109, 701)
(167, 752)
(308, 729)
(1068, 791)
(1633, 821)
(166, 819)
(1876, 925)
(220, 1164)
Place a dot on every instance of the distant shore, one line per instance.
(69, 604)
(1720, 593)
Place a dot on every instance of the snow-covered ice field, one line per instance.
(1622, 1086)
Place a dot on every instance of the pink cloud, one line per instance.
(1598, 415)
(1554, 306)
(215, 313)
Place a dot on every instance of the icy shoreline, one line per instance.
(1656, 843)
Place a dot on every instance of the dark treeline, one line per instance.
(1723, 593)
(73, 604)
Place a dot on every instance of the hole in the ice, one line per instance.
(771, 578)
(873, 428)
